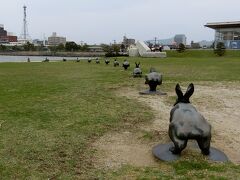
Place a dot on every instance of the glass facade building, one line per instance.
(227, 32)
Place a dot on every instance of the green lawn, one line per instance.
(202, 53)
(52, 112)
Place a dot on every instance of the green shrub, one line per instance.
(220, 49)
(181, 48)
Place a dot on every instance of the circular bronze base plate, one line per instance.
(217, 155)
(162, 152)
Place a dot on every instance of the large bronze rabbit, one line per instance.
(187, 123)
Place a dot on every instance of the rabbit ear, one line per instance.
(179, 91)
(189, 91)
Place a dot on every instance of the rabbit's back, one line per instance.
(188, 122)
(137, 71)
(154, 76)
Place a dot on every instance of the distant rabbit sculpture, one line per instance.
(46, 60)
(137, 72)
(115, 63)
(187, 123)
(153, 79)
(89, 60)
(107, 61)
(126, 64)
(97, 61)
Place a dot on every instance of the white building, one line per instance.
(227, 32)
(55, 40)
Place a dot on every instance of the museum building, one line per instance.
(226, 32)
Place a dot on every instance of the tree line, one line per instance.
(69, 46)
(219, 50)
(114, 50)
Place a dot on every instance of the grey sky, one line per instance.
(102, 21)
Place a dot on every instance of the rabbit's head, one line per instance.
(184, 98)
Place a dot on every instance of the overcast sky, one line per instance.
(102, 21)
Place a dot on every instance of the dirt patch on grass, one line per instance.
(217, 102)
(220, 106)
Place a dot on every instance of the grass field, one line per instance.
(202, 53)
(52, 112)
